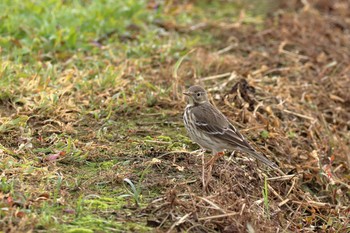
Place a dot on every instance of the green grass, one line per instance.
(62, 30)
(265, 193)
(64, 63)
(52, 49)
(56, 29)
(55, 50)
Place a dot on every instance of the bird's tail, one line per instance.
(262, 158)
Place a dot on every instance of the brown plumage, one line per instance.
(210, 129)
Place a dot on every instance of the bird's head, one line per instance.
(196, 95)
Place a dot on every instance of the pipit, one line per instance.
(211, 130)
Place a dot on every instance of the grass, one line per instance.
(265, 193)
(91, 136)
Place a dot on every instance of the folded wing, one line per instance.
(209, 120)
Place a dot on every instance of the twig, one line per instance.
(188, 182)
(213, 204)
(299, 115)
(243, 207)
(274, 192)
(337, 168)
(158, 200)
(342, 183)
(260, 104)
(178, 222)
(314, 203)
(216, 76)
(233, 76)
(158, 142)
(276, 69)
(278, 196)
(226, 49)
(163, 221)
(290, 222)
(286, 177)
(282, 50)
(218, 216)
(291, 188)
(283, 202)
(198, 26)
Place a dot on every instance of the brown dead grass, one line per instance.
(296, 88)
(297, 70)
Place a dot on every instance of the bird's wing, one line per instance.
(211, 121)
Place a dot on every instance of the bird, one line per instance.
(211, 129)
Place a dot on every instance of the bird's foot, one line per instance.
(211, 162)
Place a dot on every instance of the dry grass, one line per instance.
(65, 153)
(295, 107)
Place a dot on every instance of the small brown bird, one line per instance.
(210, 129)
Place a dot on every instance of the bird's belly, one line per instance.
(206, 142)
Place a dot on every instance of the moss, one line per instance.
(107, 164)
(148, 138)
(80, 230)
(264, 134)
(103, 203)
(97, 224)
(164, 138)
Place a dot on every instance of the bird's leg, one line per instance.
(201, 152)
(210, 165)
(204, 184)
(216, 156)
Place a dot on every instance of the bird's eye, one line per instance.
(198, 94)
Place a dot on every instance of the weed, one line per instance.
(265, 194)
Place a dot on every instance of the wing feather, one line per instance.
(211, 121)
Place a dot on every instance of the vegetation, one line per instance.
(91, 134)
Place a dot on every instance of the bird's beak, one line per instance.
(187, 93)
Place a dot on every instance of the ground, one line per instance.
(91, 132)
